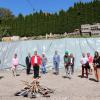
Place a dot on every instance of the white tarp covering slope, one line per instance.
(73, 45)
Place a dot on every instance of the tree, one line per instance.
(5, 13)
(40, 23)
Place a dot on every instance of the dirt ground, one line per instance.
(76, 88)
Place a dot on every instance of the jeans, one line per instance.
(56, 67)
(43, 68)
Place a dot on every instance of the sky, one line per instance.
(29, 6)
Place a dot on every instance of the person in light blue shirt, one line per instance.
(44, 62)
(56, 62)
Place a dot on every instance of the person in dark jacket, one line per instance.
(96, 65)
(72, 63)
(28, 63)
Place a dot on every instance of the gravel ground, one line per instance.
(76, 88)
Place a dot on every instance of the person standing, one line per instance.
(56, 62)
(72, 63)
(14, 65)
(36, 62)
(28, 63)
(84, 62)
(90, 61)
(67, 65)
(96, 63)
(44, 62)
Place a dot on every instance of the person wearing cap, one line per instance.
(67, 64)
(36, 62)
(56, 62)
(28, 63)
(43, 65)
(85, 64)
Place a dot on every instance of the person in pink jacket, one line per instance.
(14, 65)
(90, 61)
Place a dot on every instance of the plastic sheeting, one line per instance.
(73, 45)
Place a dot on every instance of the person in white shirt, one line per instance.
(84, 63)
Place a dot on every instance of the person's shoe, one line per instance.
(17, 75)
(97, 80)
(65, 76)
(82, 76)
(57, 73)
(70, 78)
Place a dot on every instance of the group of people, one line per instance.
(91, 64)
(36, 61)
(68, 63)
(88, 63)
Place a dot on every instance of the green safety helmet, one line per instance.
(66, 52)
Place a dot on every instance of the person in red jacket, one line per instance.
(36, 62)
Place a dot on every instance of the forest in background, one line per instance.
(41, 23)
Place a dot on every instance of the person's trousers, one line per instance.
(84, 68)
(68, 71)
(72, 69)
(43, 68)
(28, 69)
(97, 73)
(56, 66)
(36, 71)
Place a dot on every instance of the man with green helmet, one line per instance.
(67, 64)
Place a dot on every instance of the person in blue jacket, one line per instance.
(56, 62)
(44, 62)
